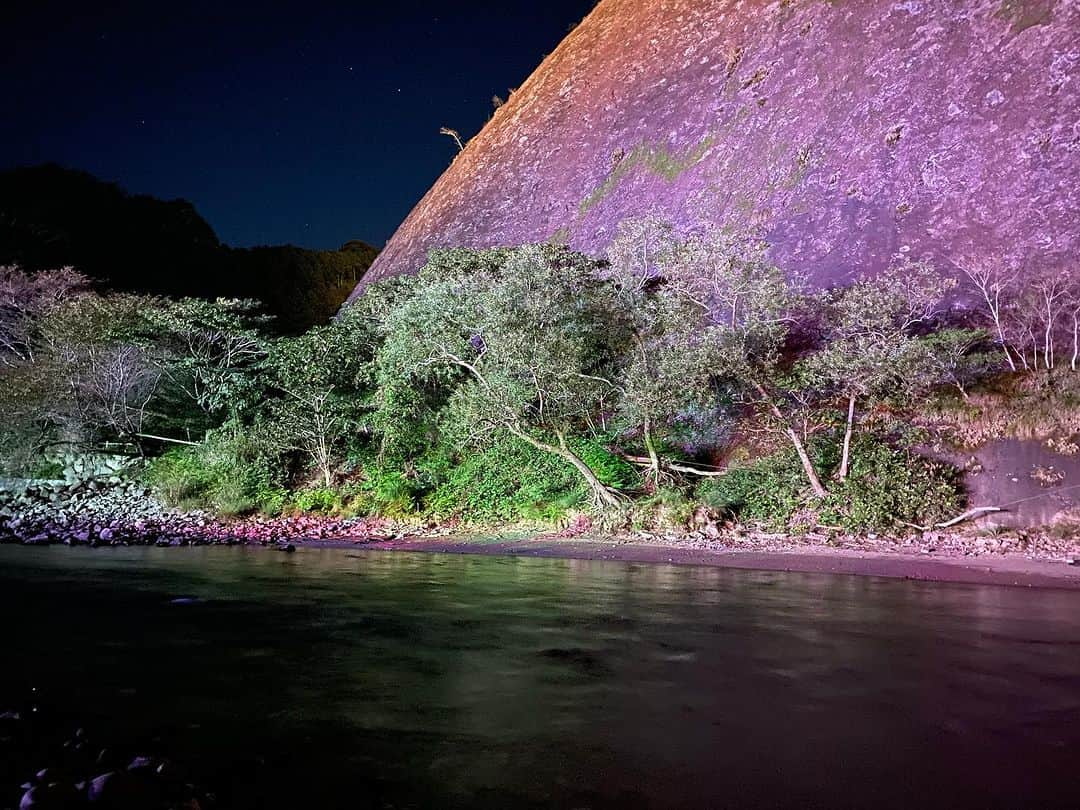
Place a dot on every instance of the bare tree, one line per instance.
(1052, 291)
(1075, 335)
(25, 298)
(995, 284)
(1027, 318)
(453, 133)
(113, 385)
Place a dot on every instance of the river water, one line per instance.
(370, 679)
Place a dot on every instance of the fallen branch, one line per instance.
(978, 511)
(694, 470)
(968, 515)
(645, 461)
(166, 439)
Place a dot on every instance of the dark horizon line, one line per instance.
(127, 191)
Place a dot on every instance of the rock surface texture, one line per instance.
(844, 132)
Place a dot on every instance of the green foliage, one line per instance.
(49, 468)
(668, 510)
(385, 491)
(887, 488)
(612, 470)
(319, 499)
(664, 371)
(873, 349)
(209, 351)
(231, 472)
(769, 491)
(180, 477)
(506, 481)
(959, 357)
(316, 387)
(512, 342)
(501, 385)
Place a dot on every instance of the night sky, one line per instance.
(308, 123)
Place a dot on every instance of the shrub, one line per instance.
(887, 488)
(180, 476)
(319, 499)
(612, 470)
(667, 510)
(385, 491)
(509, 480)
(231, 472)
(768, 491)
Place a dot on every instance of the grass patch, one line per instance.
(1042, 406)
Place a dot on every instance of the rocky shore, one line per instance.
(105, 513)
(102, 513)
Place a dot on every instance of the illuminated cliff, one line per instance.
(845, 131)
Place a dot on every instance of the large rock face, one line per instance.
(845, 131)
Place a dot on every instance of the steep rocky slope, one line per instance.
(844, 131)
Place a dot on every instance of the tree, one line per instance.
(113, 384)
(1074, 363)
(746, 306)
(209, 351)
(955, 357)
(872, 350)
(663, 371)
(91, 344)
(994, 285)
(25, 299)
(519, 342)
(319, 382)
(1028, 319)
(1053, 293)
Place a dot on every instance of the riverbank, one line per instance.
(85, 513)
(976, 569)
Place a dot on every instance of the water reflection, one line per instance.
(419, 680)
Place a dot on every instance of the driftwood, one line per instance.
(645, 461)
(978, 511)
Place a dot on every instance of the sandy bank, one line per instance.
(984, 569)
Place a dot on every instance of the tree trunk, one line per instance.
(808, 466)
(1076, 340)
(654, 460)
(849, 428)
(995, 313)
(800, 448)
(601, 494)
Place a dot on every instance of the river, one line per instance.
(330, 678)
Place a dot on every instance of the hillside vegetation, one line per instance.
(677, 383)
